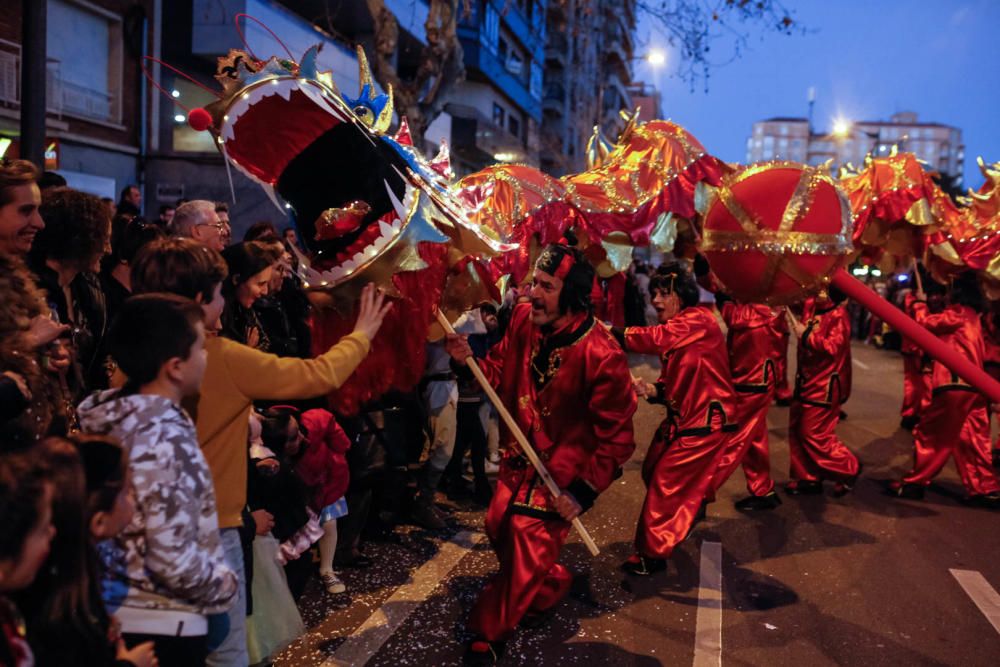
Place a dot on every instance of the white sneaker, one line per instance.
(332, 583)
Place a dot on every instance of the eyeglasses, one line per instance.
(219, 226)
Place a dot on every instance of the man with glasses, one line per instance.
(198, 220)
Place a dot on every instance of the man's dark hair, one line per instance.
(50, 179)
(179, 266)
(150, 330)
(675, 277)
(965, 291)
(221, 207)
(578, 279)
(167, 207)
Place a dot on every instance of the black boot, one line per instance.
(642, 566)
(990, 501)
(755, 503)
(905, 490)
(802, 487)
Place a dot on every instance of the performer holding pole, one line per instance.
(567, 384)
(822, 385)
(696, 389)
(955, 422)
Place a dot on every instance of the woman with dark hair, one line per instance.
(261, 231)
(66, 258)
(696, 388)
(66, 617)
(128, 235)
(250, 267)
(955, 422)
(285, 310)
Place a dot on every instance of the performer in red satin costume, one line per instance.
(696, 388)
(822, 385)
(567, 383)
(754, 342)
(955, 422)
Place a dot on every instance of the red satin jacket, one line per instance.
(755, 342)
(959, 328)
(991, 339)
(824, 373)
(571, 393)
(694, 377)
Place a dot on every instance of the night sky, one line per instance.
(866, 60)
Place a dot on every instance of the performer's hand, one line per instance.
(567, 506)
(373, 310)
(458, 347)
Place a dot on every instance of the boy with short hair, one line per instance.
(166, 572)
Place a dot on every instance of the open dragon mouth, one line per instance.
(290, 137)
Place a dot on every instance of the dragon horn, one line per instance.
(364, 72)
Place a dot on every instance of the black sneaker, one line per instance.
(755, 503)
(906, 490)
(841, 489)
(642, 566)
(990, 501)
(802, 487)
(481, 653)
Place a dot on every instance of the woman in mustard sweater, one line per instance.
(235, 377)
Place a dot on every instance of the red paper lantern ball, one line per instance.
(199, 119)
(775, 232)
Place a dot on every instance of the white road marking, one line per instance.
(708, 621)
(984, 595)
(365, 642)
(862, 365)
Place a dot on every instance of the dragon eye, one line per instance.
(366, 115)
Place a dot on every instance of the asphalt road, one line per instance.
(859, 580)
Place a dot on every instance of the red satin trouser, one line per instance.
(954, 423)
(916, 386)
(815, 451)
(527, 547)
(677, 473)
(748, 445)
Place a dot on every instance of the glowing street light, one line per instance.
(841, 127)
(656, 58)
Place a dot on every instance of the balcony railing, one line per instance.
(61, 96)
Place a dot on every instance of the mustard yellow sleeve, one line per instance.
(264, 376)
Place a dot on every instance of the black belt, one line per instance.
(706, 430)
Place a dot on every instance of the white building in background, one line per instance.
(939, 145)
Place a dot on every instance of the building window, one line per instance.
(491, 27)
(784, 130)
(498, 115)
(514, 125)
(84, 48)
(185, 138)
(503, 50)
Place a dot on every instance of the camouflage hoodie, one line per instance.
(169, 556)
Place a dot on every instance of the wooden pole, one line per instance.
(522, 441)
(917, 278)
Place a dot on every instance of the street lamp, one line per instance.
(656, 58)
(841, 128)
